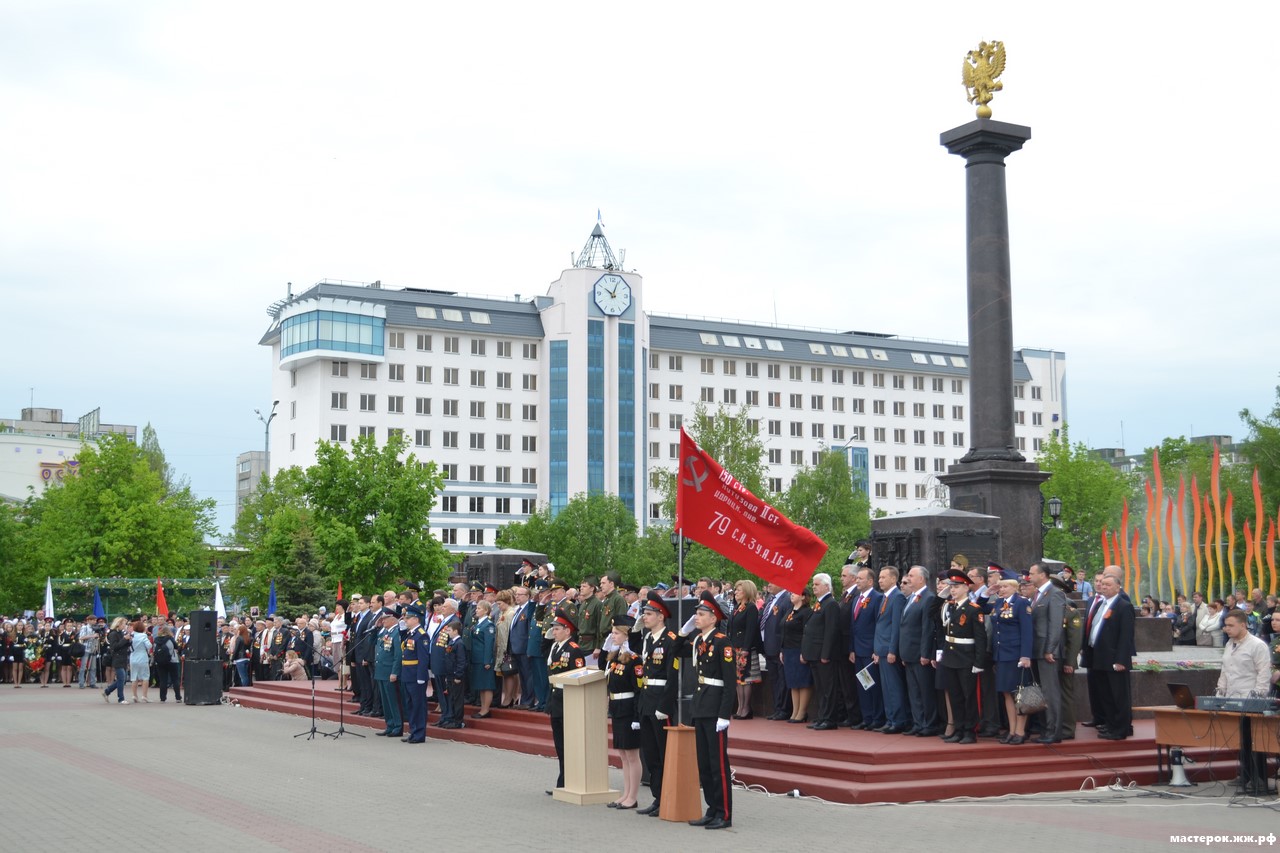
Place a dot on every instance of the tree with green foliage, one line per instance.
(21, 586)
(592, 535)
(823, 499)
(1260, 450)
(116, 518)
(1092, 495)
(300, 585)
(270, 525)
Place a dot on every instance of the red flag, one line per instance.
(339, 589)
(162, 606)
(715, 510)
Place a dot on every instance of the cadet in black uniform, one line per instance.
(625, 674)
(565, 657)
(659, 649)
(964, 655)
(713, 699)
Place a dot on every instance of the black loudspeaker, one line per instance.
(203, 644)
(202, 682)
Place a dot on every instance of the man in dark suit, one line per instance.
(518, 643)
(893, 687)
(1108, 656)
(862, 633)
(1048, 610)
(849, 711)
(819, 644)
(776, 608)
(917, 642)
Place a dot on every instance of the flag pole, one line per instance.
(680, 616)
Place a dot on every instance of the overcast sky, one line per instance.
(168, 167)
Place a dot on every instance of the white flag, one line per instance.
(48, 598)
(217, 600)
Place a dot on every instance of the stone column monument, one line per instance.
(993, 478)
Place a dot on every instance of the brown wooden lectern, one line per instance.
(586, 733)
(681, 788)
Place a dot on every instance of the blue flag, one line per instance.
(271, 601)
(98, 611)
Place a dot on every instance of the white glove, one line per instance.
(660, 715)
(687, 628)
(975, 670)
(635, 727)
(422, 682)
(722, 724)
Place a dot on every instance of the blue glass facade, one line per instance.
(860, 470)
(558, 473)
(627, 414)
(332, 330)
(595, 406)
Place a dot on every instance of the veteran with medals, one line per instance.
(415, 663)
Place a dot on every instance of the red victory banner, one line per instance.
(162, 606)
(715, 510)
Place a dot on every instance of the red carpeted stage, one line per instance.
(840, 766)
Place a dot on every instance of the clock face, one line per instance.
(613, 295)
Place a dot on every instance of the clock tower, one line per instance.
(597, 340)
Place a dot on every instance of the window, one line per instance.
(939, 437)
(877, 407)
(502, 411)
(775, 427)
(858, 433)
(451, 439)
(530, 352)
(655, 420)
(837, 404)
(797, 429)
(917, 436)
(477, 409)
(957, 386)
(1021, 442)
(368, 402)
(529, 413)
(877, 380)
(477, 346)
(1037, 444)
(655, 449)
(775, 399)
(939, 465)
(338, 432)
(338, 400)
(794, 372)
(858, 405)
(1035, 392)
(674, 422)
(753, 398)
(395, 405)
(449, 471)
(775, 371)
(395, 372)
(451, 376)
(1037, 418)
(448, 503)
(939, 411)
(675, 392)
(917, 383)
(837, 432)
(797, 457)
(879, 462)
(503, 441)
(899, 436)
(339, 368)
(900, 490)
(477, 379)
(917, 410)
(957, 439)
(921, 464)
(451, 344)
(877, 434)
(957, 413)
(899, 382)
(937, 384)
(424, 343)
(752, 369)
(796, 401)
(422, 438)
(673, 450)
(815, 374)
(899, 409)
(293, 441)
(655, 361)
(1019, 417)
(857, 377)
(422, 405)
(528, 506)
(708, 395)
(775, 485)
(775, 455)
(731, 396)
(815, 402)
(707, 365)
(502, 474)
(504, 349)
(475, 537)
(293, 378)
(816, 457)
(899, 463)
(529, 443)
(816, 430)
(394, 433)
(1018, 392)
(529, 476)
(368, 432)
(504, 381)
(531, 382)
(502, 506)
(424, 373)
(368, 371)
(477, 473)
(675, 362)
(882, 490)
(655, 390)
(450, 408)
(293, 409)
(449, 536)
(729, 367)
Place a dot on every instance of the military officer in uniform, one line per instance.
(964, 656)
(415, 663)
(659, 648)
(587, 620)
(714, 697)
(1072, 642)
(565, 656)
(386, 671)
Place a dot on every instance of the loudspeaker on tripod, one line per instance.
(203, 644)
(202, 682)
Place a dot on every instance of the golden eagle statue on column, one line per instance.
(982, 67)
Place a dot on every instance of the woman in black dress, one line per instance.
(794, 669)
(18, 654)
(6, 654)
(625, 670)
(70, 650)
(744, 636)
(47, 640)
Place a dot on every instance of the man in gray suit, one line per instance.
(1048, 608)
(917, 641)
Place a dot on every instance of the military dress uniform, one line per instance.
(714, 697)
(588, 619)
(387, 663)
(658, 691)
(564, 657)
(1072, 642)
(415, 648)
(964, 648)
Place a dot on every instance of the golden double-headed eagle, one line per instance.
(981, 68)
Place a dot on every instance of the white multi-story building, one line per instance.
(530, 401)
(38, 449)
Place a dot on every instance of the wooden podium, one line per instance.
(681, 787)
(586, 738)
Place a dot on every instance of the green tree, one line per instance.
(23, 584)
(156, 461)
(300, 586)
(1261, 450)
(269, 527)
(823, 499)
(1092, 495)
(117, 518)
(592, 535)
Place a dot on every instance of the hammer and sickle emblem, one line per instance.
(696, 482)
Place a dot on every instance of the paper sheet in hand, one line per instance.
(865, 678)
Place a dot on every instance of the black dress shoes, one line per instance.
(702, 821)
(650, 810)
(824, 727)
(1046, 740)
(954, 737)
(968, 738)
(719, 823)
(893, 730)
(1091, 724)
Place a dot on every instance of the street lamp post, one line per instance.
(266, 439)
